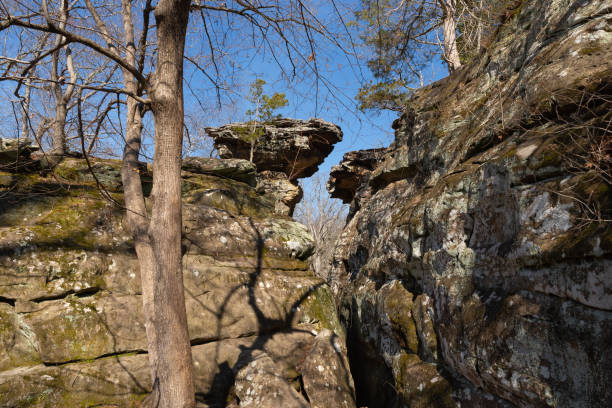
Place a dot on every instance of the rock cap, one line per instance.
(292, 146)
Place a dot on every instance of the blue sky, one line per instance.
(341, 78)
(341, 75)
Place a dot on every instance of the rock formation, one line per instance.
(346, 177)
(476, 268)
(275, 184)
(294, 147)
(71, 326)
(16, 154)
(287, 150)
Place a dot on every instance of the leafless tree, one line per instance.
(325, 218)
(48, 75)
(152, 81)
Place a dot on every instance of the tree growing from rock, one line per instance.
(404, 36)
(263, 108)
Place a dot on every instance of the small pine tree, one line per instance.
(263, 108)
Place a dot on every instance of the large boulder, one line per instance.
(326, 373)
(15, 154)
(258, 385)
(71, 324)
(477, 264)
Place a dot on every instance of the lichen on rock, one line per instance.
(475, 248)
(71, 324)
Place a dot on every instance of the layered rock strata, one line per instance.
(476, 270)
(285, 151)
(71, 325)
(294, 147)
(346, 177)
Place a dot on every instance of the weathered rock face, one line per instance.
(234, 169)
(345, 178)
(294, 147)
(71, 326)
(474, 270)
(287, 150)
(15, 154)
(286, 194)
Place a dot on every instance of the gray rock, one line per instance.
(15, 154)
(346, 177)
(71, 324)
(287, 194)
(326, 373)
(294, 147)
(235, 169)
(469, 258)
(259, 385)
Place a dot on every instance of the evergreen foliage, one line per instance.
(401, 37)
(263, 108)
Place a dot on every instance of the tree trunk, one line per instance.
(158, 241)
(167, 334)
(25, 110)
(58, 140)
(449, 31)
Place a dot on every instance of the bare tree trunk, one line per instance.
(449, 31)
(157, 240)
(136, 210)
(168, 336)
(58, 139)
(25, 106)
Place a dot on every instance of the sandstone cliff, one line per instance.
(476, 265)
(264, 329)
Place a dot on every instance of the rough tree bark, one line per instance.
(158, 240)
(172, 370)
(449, 32)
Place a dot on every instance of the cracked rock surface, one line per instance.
(71, 324)
(473, 270)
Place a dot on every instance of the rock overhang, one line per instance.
(292, 146)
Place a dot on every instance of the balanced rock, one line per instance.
(294, 147)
